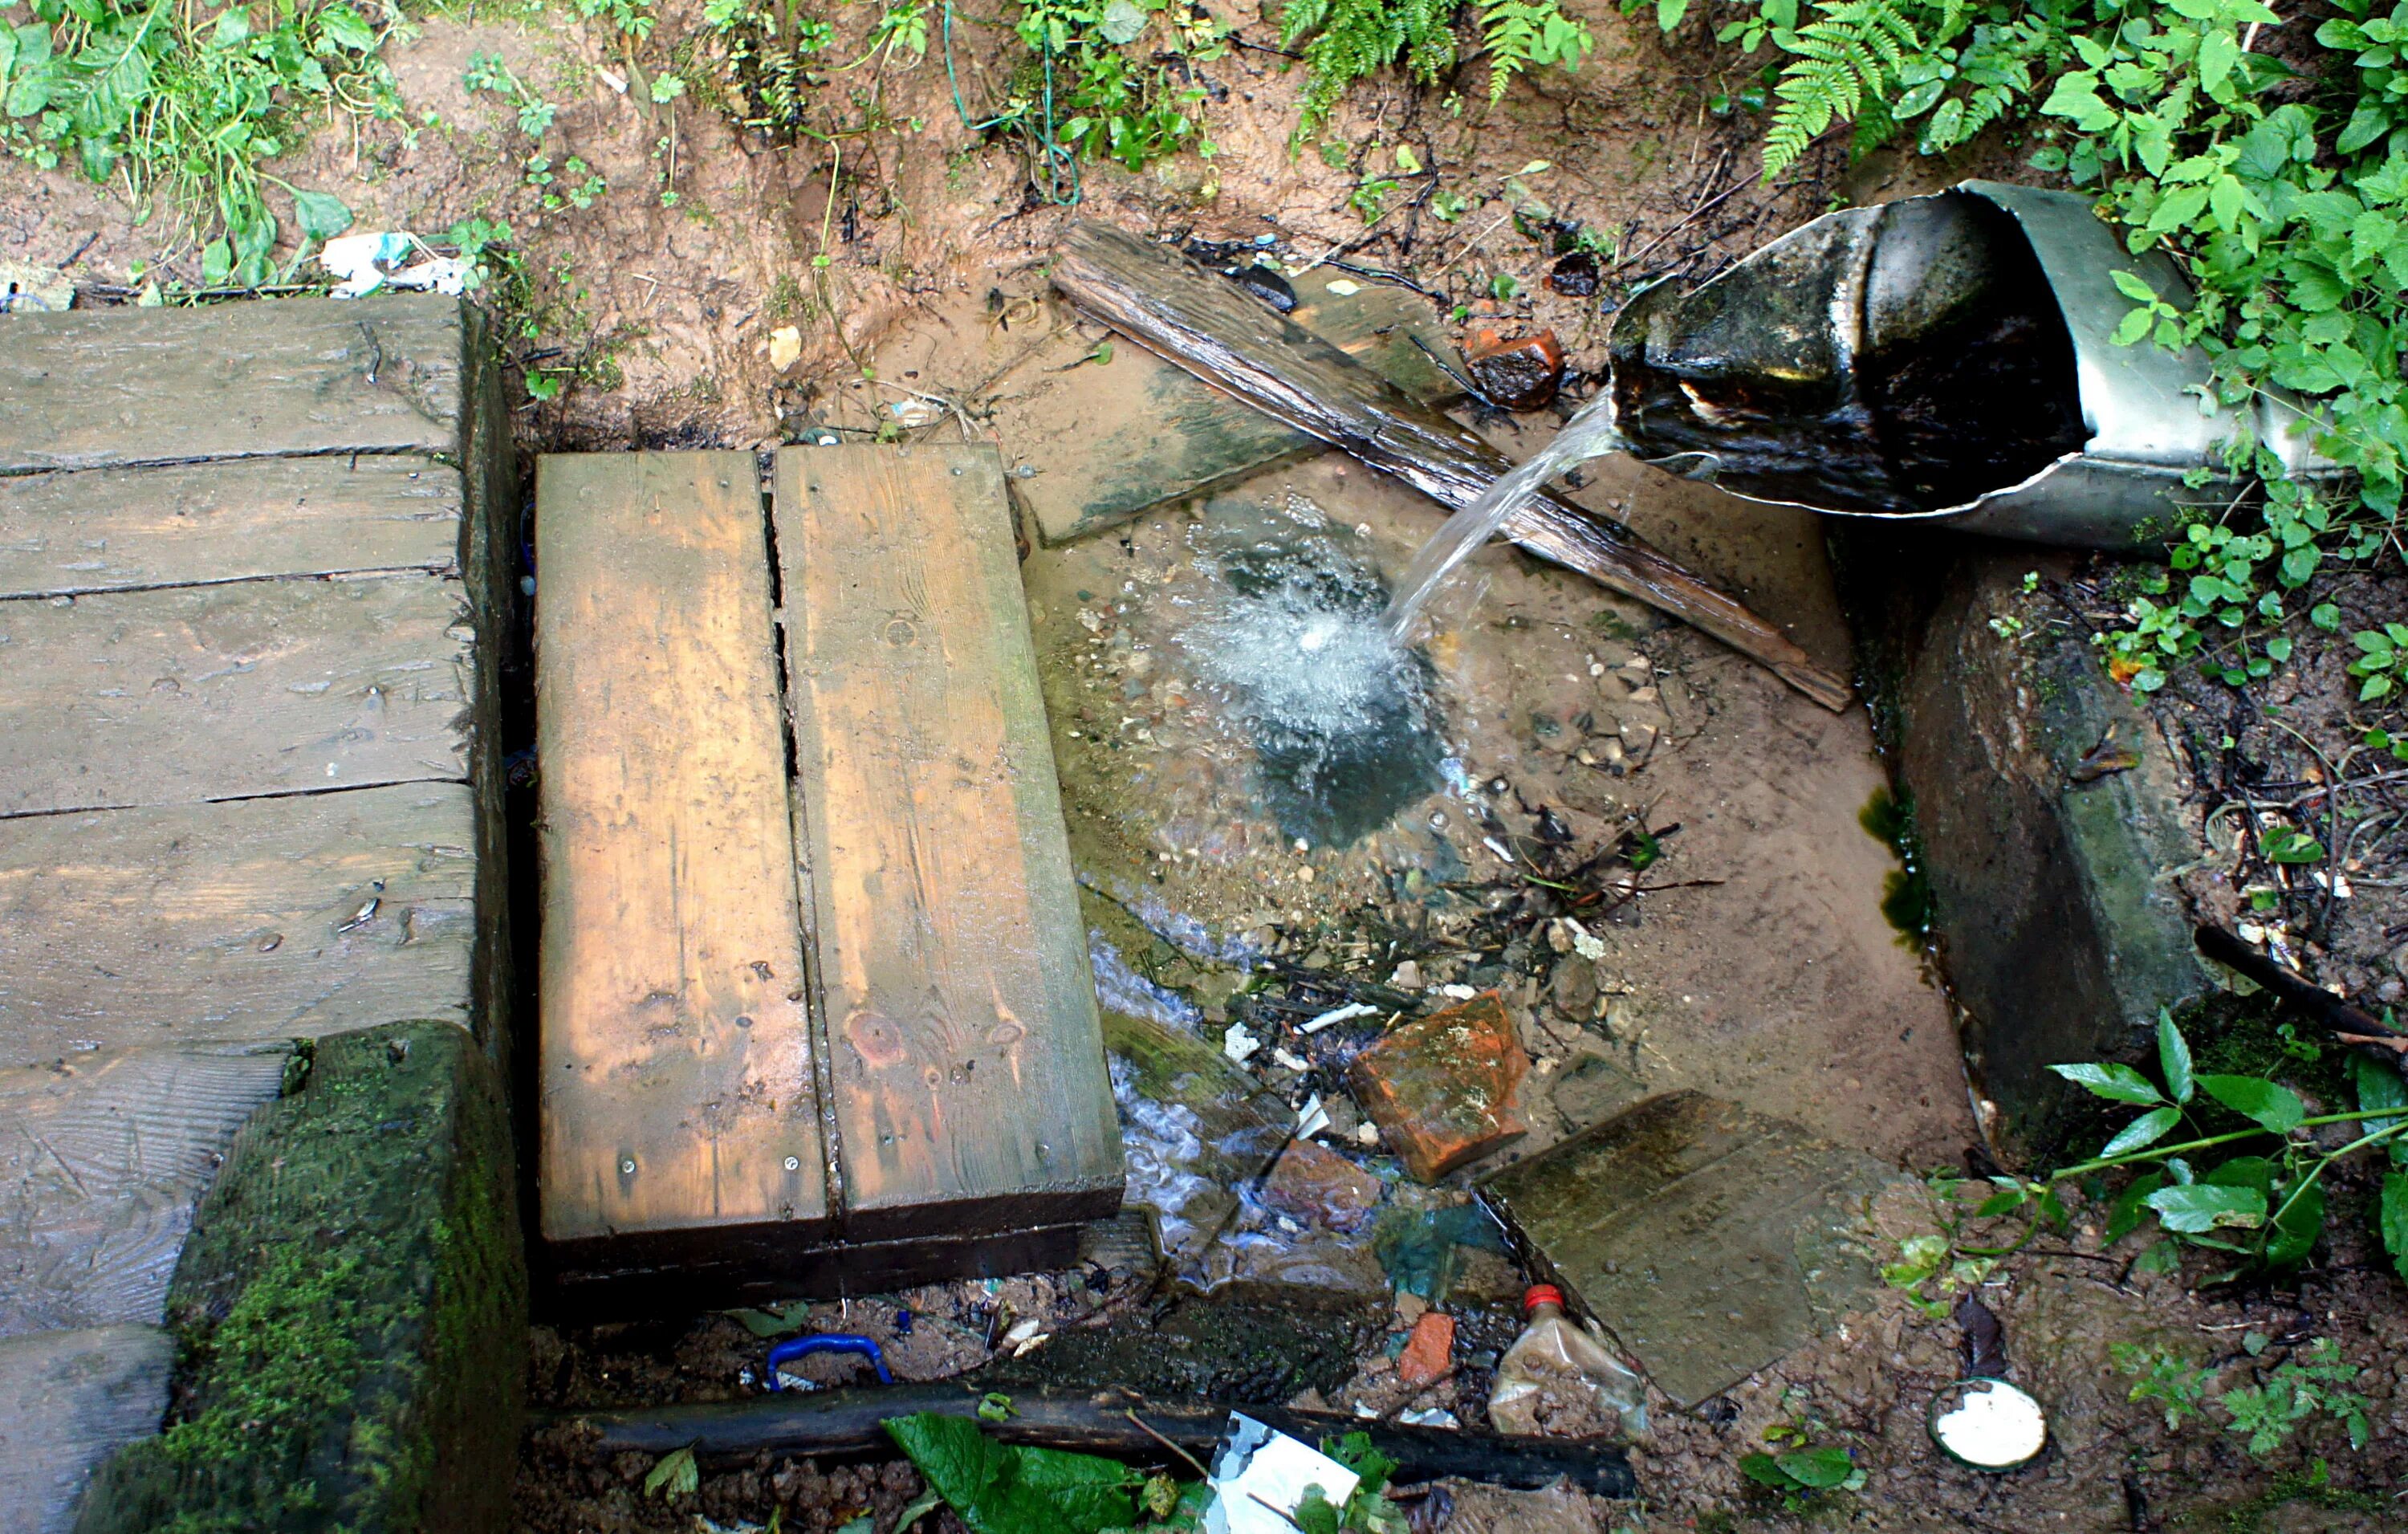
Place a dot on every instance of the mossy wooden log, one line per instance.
(1215, 330)
(349, 1311)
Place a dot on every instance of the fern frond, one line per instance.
(1849, 54)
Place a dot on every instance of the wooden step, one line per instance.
(937, 1091)
(678, 1094)
(103, 1157)
(69, 1400)
(969, 1088)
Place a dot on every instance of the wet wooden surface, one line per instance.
(94, 387)
(103, 1157)
(1106, 440)
(677, 1060)
(260, 919)
(69, 1400)
(968, 1079)
(1214, 329)
(232, 690)
(189, 524)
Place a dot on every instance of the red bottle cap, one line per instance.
(1541, 1294)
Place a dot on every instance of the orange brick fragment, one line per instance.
(1442, 1089)
(1430, 1353)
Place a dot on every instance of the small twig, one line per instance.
(1174, 1448)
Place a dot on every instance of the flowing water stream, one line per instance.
(1587, 435)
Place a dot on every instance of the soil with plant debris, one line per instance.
(1696, 820)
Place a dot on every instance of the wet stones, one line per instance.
(1314, 1183)
(1521, 373)
(1442, 1090)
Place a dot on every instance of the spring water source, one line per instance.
(1587, 435)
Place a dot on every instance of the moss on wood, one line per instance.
(349, 1311)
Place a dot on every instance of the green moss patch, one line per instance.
(350, 1313)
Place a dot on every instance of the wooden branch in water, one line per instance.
(1118, 1424)
(1215, 330)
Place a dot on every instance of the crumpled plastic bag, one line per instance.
(366, 262)
(1558, 1378)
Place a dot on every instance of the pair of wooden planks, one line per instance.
(853, 1005)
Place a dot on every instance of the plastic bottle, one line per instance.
(1557, 1378)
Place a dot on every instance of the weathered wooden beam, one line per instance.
(967, 1075)
(677, 1079)
(115, 529)
(90, 388)
(1212, 329)
(845, 1423)
(233, 691)
(260, 919)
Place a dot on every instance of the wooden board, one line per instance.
(69, 1400)
(678, 1082)
(263, 918)
(103, 1157)
(189, 524)
(1107, 442)
(966, 1059)
(233, 691)
(95, 387)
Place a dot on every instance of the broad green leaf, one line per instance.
(2149, 1128)
(320, 215)
(2218, 53)
(347, 28)
(2124, 1215)
(2136, 325)
(2119, 1084)
(1001, 1488)
(2134, 286)
(1821, 1469)
(2173, 1051)
(1670, 12)
(2379, 1087)
(2391, 1219)
(2276, 1108)
(674, 1475)
(1122, 22)
(1762, 1468)
(2297, 1226)
(2204, 1206)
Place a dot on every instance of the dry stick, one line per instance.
(1214, 329)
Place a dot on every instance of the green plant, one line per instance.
(2163, 1377)
(489, 72)
(2295, 1390)
(2382, 663)
(183, 106)
(1345, 41)
(2265, 1206)
(675, 1475)
(1800, 1475)
(576, 185)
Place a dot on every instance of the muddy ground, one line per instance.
(1750, 958)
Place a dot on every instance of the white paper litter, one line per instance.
(1353, 1009)
(365, 263)
(1239, 1045)
(1312, 1118)
(1260, 1476)
(1585, 945)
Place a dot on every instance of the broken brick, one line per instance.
(1430, 1353)
(1442, 1089)
(1314, 1183)
(1520, 374)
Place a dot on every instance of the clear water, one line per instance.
(1290, 639)
(1587, 435)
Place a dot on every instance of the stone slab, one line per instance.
(1708, 1239)
(67, 1401)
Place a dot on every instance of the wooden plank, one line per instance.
(259, 920)
(1209, 327)
(232, 690)
(968, 1084)
(103, 1157)
(677, 1091)
(1108, 441)
(69, 1400)
(95, 387)
(189, 524)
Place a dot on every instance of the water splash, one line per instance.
(1290, 638)
(1587, 435)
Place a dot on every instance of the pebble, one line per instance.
(1408, 976)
